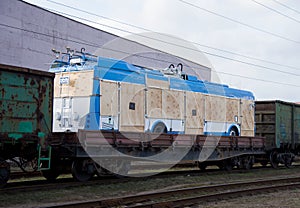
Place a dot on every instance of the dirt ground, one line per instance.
(282, 199)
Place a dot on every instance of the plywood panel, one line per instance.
(173, 104)
(194, 113)
(109, 98)
(215, 108)
(132, 128)
(75, 84)
(232, 109)
(154, 83)
(132, 119)
(154, 103)
(247, 117)
(247, 133)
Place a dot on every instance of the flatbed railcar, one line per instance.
(25, 117)
(108, 109)
(101, 152)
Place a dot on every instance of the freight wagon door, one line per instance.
(283, 124)
(297, 125)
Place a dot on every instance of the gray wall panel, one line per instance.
(32, 32)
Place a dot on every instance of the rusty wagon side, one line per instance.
(279, 123)
(25, 115)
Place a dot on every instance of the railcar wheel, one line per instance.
(220, 166)
(202, 166)
(264, 163)
(288, 164)
(51, 175)
(54, 171)
(288, 160)
(228, 165)
(274, 159)
(83, 169)
(4, 173)
(247, 162)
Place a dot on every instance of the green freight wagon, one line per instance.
(25, 116)
(279, 123)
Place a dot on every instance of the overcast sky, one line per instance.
(246, 28)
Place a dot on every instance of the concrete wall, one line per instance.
(28, 33)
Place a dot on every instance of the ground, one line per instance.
(283, 199)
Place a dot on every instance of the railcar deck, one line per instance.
(85, 151)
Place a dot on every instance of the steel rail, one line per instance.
(219, 196)
(162, 199)
(41, 184)
(19, 175)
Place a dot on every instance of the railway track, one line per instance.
(19, 175)
(193, 195)
(39, 185)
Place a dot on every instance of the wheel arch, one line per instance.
(158, 123)
(234, 127)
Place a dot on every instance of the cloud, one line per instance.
(178, 19)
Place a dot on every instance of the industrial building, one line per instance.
(28, 33)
